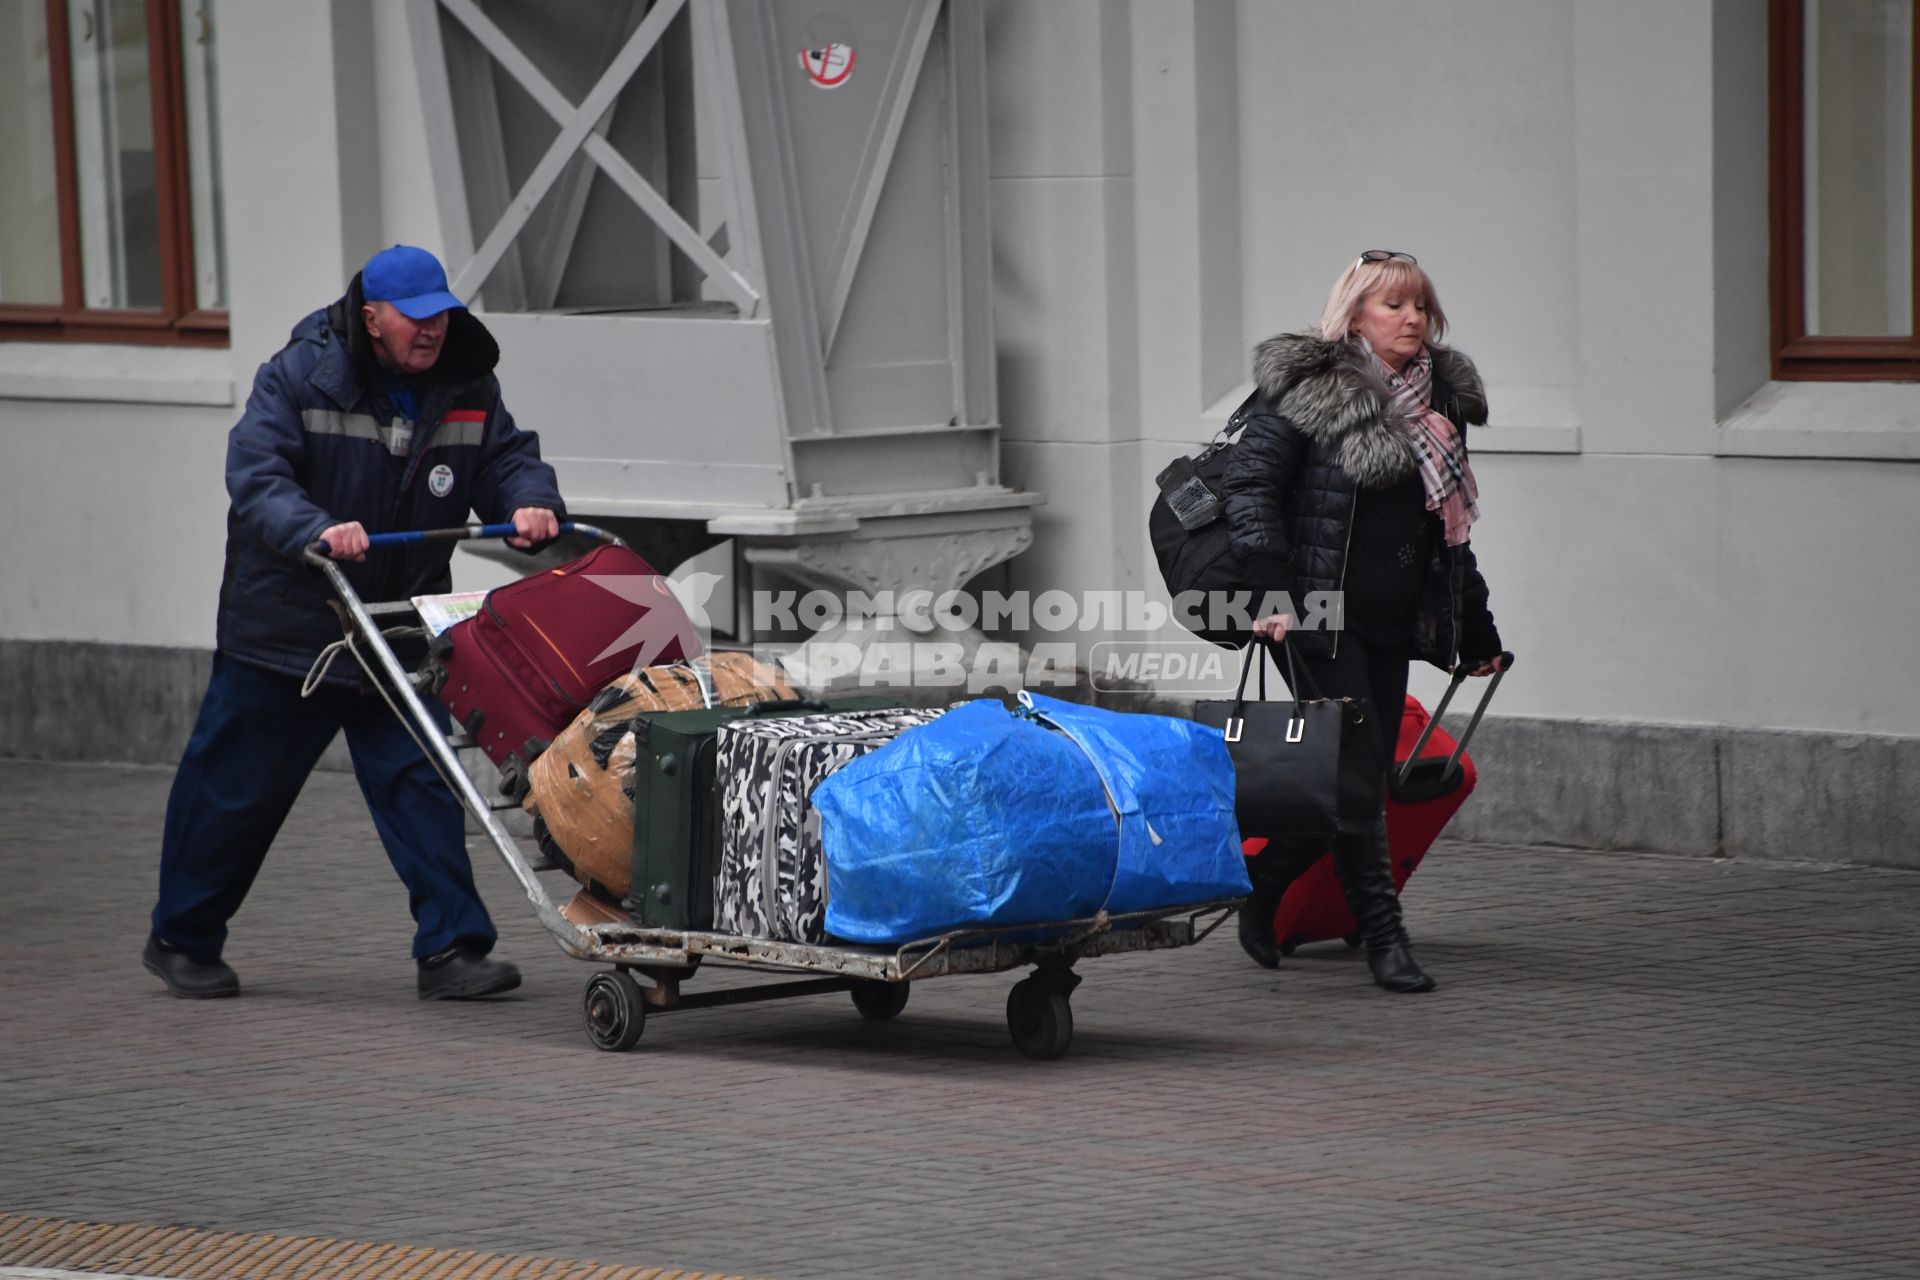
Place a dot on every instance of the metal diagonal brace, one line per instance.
(903, 76)
(576, 134)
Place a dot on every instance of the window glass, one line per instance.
(1859, 167)
(203, 154)
(114, 154)
(29, 196)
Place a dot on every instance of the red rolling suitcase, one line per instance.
(520, 670)
(1432, 777)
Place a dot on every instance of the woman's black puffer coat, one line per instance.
(1322, 428)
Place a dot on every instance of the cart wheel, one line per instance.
(879, 1001)
(616, 1013)
(1041, 1021)
(1353, 941)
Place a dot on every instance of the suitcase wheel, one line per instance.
(615, 1010)
(514, 783)
(1353, 941)
(1286, 948)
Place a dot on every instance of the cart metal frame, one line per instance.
(616, 1005)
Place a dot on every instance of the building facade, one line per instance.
(1699, 522)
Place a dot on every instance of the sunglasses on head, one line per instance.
(1387, 255)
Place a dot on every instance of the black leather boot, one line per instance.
(1395, 969)
(1256, 922)
(1272, 871)
(1366, 878)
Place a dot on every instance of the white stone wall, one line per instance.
(1173, 180)
(1586, 183)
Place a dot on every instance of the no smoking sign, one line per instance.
(827, 56)
(829, 65)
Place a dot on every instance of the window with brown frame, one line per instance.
(1845, 138)
(110, 190)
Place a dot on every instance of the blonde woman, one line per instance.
(1352, 476)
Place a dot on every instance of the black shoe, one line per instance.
(462, 972)
(1395, 969)
(186, 977)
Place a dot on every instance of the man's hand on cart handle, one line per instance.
(345, 541)
(534, 524)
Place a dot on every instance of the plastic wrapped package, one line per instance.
(990, 817)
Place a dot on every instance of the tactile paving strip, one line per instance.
(51, 1244)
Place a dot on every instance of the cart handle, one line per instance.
(460, 533)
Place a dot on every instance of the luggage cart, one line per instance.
(617, 1002)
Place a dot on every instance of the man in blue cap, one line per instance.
(381, 413)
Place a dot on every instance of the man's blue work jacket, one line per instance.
(321, 444)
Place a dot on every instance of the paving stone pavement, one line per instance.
(1634, 1066)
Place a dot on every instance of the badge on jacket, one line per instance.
(440, 481)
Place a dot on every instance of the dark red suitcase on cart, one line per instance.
(519, 671)
(1423, 794)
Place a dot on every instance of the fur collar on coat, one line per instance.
(1331, 394)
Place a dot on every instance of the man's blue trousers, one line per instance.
(254, 744)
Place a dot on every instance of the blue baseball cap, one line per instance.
(410, 279)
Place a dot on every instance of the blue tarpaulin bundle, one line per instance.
(991, 817)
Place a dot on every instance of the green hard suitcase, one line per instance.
(675, 831)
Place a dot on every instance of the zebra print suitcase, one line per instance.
(771, 881)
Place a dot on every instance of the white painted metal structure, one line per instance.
(816, 355)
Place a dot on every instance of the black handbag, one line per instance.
(1186, 523)
(1308, 766)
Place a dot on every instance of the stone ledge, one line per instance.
(1873, 420)
(116, 374)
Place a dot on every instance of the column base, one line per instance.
(885, 577)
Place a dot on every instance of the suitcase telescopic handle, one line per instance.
(462, 533)
(1433, 721)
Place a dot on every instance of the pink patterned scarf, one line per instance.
(1451, 491)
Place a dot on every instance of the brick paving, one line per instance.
(1635, 1066)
